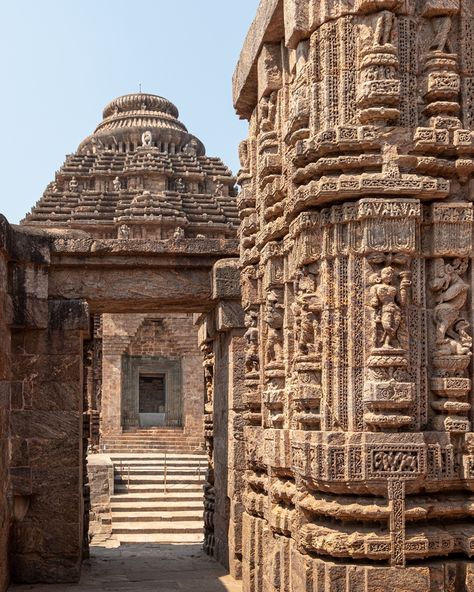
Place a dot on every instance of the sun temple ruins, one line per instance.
(309, 337)
(356, 270)
(140, 175)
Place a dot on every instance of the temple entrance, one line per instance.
(152, 399)
(106, 372)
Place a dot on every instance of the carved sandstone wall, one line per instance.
(356, 256)
(221, 336)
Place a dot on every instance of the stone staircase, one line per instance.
(152, 440)
(145, 509)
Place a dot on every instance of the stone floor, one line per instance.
(147, 568)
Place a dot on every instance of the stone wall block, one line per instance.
(68, 315)
(226, 280)
(269, 69)
(297, 21)
(229, 316)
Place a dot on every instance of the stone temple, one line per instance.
(334, 324)
(141, 174)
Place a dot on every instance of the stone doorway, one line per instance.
(152, 391)
(152, 400)
(147, 470)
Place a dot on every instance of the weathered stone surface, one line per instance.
(356, 262)
(100, 471)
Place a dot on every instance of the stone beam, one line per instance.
(137, 276)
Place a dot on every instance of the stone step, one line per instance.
(163, 539)
(154, 488)
(126, 470)
(141, 479)
(151, 436)
(157, 506)
(144, 450)
(150, 444)
(171, 463)
(158, 516)
(159, 497)
(156, 456)
(154, 429)
(161, 527)
(164, 435)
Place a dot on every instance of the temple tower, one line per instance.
(141, 174)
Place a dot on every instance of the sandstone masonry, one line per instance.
(356, 270)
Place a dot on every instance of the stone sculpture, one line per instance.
(147, 138)
(73, 185)
(124, 232)
(116, 183)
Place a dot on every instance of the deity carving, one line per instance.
(124, 232)
(180, 185)
(244, 155)
(451, 296)
(73, 185)
(268, 106)
(441, 41)
(387, 299)
(191, 148)
(274, 321)
(219, 190)
(208, 365)
(117, 185)
(147, 138)
(178, 233)
(384, 28)
(252, 358)
(306, 312)
(299, 105)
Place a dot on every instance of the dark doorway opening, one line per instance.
(152, 399)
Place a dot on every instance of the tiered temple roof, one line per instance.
(141, 174)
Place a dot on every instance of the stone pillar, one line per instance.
(356, 262)
(47, 441)
(5, 371)
(222, 342)
(93, 381)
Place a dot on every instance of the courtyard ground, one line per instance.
(146, 568)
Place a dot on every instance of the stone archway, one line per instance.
(51, 284)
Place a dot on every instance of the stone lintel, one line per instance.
(75, 247)
(134, 290)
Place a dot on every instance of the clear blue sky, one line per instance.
(62, 61)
